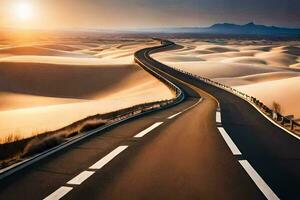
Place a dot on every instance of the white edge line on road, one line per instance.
(218, 117)
(147, 130)
(261, 184)
(261, 112)
(59, 193)
(77, 180)
(272, 121)
(171, 117)
(234, 149)
(199, 101)
(103, 161)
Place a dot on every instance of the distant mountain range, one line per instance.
(233, 29)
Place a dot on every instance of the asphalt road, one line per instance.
(178, 153)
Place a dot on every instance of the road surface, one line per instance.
(184, 152)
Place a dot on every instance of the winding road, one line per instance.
(213, 145)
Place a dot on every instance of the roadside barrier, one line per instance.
(285, 122)
(129, 113)
(145, 61)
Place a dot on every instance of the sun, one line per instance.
(23, 11)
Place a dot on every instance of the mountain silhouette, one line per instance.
(251, 29)
(233, 29)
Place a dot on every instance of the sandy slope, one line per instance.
(285, 91)
(264, 69)
(68, 81)
(46, 86)
(37, 51)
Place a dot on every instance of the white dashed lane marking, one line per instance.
(234, 149)
(80, 178)
(218, 117)
(261, 184)
(59, 193)
(147, 130)
(103, 161)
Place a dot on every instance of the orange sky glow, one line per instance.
(120, 14)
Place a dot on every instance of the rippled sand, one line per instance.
(48, 85)
(264, 69)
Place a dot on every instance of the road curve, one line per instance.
(270, 150)
(177, 153)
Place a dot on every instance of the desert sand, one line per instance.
(264, 69)
(50, 84)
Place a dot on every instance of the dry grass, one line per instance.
(14, 147)
(10, 138)
(38, 145)
(41, 143)
(92, 125)
(276, 107)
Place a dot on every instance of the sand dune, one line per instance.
(34, 120)
(64, 81)
(221, 70)
(293, 50)
(265, 69)
(256, 48)
(296, 65)
(277, 58)
(246, 60)
(257, 78)
(220, 49)
(60, 60)
(50, 85)
(284, 91)
(38, 51)
(236, 54)
(59, 47)
(13, 101)
(106, 53)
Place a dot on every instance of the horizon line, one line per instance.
(133, 29)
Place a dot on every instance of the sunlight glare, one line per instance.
(23, 11)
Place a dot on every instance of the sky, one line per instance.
(124, 14)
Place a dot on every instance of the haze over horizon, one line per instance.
(118, 14)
